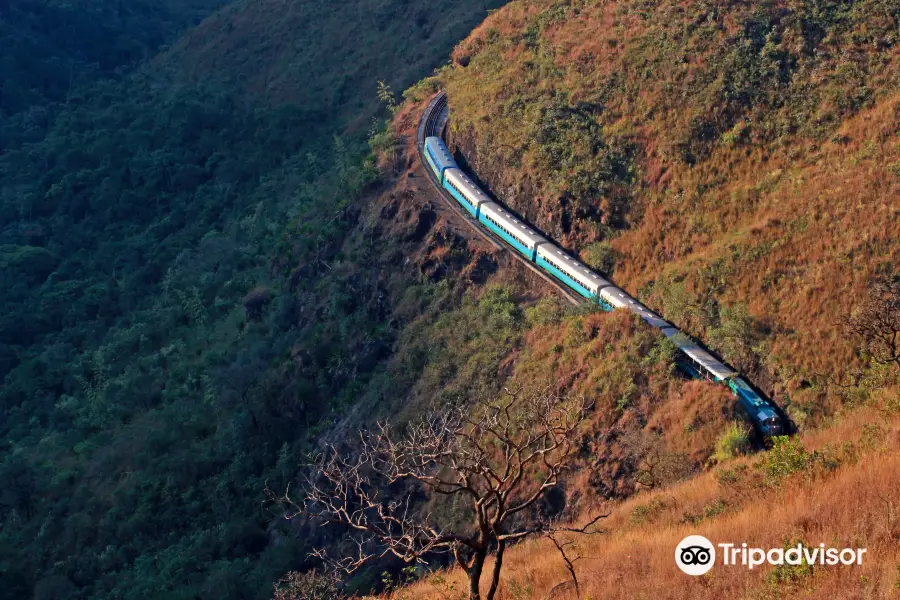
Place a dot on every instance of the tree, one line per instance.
(736, 336)
(603, 257)
(500, 459)
(877, 323)
(386, 95)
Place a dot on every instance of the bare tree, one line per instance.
(500, 459)
(877, 323)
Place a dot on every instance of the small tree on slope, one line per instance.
(499, 459)
(876, 322)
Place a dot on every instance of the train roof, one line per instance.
(465, 185)
(575, 269)
(620, 299)
(508, 221)
(744, 389)
(710, 363)
(441, 152)
(760, 407)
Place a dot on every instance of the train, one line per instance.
(766, 418)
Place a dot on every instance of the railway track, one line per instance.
(764, 413)
(433, 122)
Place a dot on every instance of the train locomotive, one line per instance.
(766, 418)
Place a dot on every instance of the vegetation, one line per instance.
(850, 503)
(176, 320)
(45, 56)
(496, 460)
(715, 149)
(876, 322)
(218, 257)
(733, 442)
(306, 586)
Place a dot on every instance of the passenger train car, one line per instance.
(766, 418)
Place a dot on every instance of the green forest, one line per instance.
(177, 319)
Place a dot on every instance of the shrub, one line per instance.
(786, 457)
(602, 256)
(734, 441)
(311, 585)
(649, 512)
(790, 574)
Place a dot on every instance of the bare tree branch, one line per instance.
(876, 322)
(487, 455)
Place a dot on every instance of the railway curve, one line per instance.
(697, 360)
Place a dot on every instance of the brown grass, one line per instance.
(856, 505)
(797, 222)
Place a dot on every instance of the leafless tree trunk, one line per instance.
(501, 457)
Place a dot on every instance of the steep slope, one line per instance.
(262, 49)
(170, 335)
(50, 48)
(836, 486)
(734, 164)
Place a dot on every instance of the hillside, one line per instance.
(734, 165)
(269, 59)
(169, 336)
(217, 261)
(44, 54)
(836, 485)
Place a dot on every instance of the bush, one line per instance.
(734, 441)
(786, 457)
(602, 256)
(311, 585)
(649, 512)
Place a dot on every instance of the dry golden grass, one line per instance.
(794, 201)
(856, 505)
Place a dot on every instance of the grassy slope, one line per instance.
(735, 154)
(840, 491)
(742, 160)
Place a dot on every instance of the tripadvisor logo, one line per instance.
(696, 555)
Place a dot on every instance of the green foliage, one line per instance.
(44, 51)
(141, 406)
(732, 476)
(709, 511)
(602, 256)
(575, 154)
(786, 457)
(790, 574)
(386, 95)
(25, 263)
(650, 511)
(548, 310)
(422, 89)
(736, 335)
(733, 441)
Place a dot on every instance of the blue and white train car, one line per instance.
(438, 157)
(702, 361)
(469, 195)
(518, 235)
(617, 298)
(571, 272)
